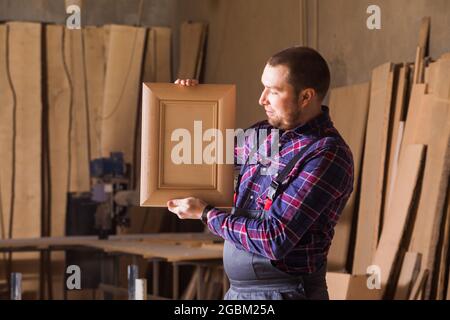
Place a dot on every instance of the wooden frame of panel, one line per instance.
(166, 107)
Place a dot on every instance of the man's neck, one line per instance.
(309, 114)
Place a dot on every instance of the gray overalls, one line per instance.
(253, 277)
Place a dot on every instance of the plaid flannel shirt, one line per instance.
(298, 228)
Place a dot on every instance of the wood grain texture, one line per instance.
(407, 179)
(157, 66)
(26, 74)
(408, 274)
(6, 133)
(399, 114)
(348, 110)
(373, 171)
(59, 93)
(79, 127)
(430, 125)
(122, 87)
(168, 107)
(191, 44)
(95, 59)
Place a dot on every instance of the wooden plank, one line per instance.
(406, 182)
(79, 138)
(444, 262)
(373, 174)
(122, 88)
(430, 125)
(26, 74)
(59, 105)
(408, 274)
(417, 291)
(94, 52)
(421, 51)
(344, 286)
(7, 104)
(190, 47)
(396, 138)
(348, 110)
(157, 66)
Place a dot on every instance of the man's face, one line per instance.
(278, 98)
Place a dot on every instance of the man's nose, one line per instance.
(263, 98)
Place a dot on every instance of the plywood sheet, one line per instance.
(191, 37)
(406, 181)
(6, 132)
(122, 88)
(348, 110)
(399, 114)
(373, 174)
(157, 66)
(59, 94)
(431, 126)
(344, 286)
(95, 60)
(25, 68)
(409, 272)
(173, 162)
(79, 128)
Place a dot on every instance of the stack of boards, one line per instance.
(70, 96)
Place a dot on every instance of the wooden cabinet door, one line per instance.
(185, 143)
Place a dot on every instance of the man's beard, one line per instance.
(289, 122)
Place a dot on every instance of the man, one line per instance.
(280, 229)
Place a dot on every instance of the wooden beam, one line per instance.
(348, 110)
(79, 180)
(409, 170)
(122, 89)
(408, 275)
(373, 174)
(95, 62)
(7, 105)
(190, 47)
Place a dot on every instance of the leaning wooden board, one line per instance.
(428, 122)
(94, 53)
(26, 74)
(122, 88)
(399, 209)
(191, 36)
(79, 138)
(6, 132)
(157, 66)
(348, 110)
(409, 272)
(372, 178)
(59, 105)
(399, 115)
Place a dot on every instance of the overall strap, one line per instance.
(275, 185)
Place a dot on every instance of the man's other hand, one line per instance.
(186, 82)
(187, 208)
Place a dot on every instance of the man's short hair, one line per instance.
(307, 69)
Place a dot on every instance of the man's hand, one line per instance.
(186, 82)
(187, 208)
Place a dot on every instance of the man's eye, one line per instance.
(273, 92)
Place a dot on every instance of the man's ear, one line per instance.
(306, 96)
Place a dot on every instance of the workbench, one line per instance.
(201, 250)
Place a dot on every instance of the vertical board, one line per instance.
(348, 110)
(6, 132)
(409, 271)
(59, 105)
(373, 173)
(26, 75)
(398, 211)
(122, 88)
(191, 36)
(79, 138)
(94, 53)
(157, 66)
